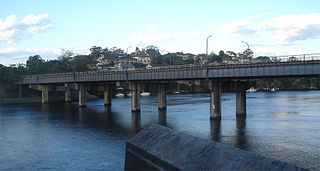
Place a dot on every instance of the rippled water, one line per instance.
(60, 136)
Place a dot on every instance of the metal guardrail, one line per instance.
(291, 58)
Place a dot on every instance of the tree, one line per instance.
(248, 53)
(65, 55)
(96, 51)
(154, 54)
(35, 65)
(215, 58)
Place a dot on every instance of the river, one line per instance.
(283, 125)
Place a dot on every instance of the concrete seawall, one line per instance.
(161, 148)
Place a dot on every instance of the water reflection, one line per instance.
(241, 139)
(215, 129)
(162, 117)
(135, 121)
(82, 115)
(108, 115)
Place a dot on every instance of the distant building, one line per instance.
(186, 56)
(142, 57)
(127, 60)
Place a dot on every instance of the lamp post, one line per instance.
(207, 49)
(246, 43)
(127, 50)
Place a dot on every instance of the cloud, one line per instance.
(194, 34)
(259, 15)
(13, 28)
(172, 24)
(150, 37)
(151, 28)
(284, 29)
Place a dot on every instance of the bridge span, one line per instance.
(238, 75)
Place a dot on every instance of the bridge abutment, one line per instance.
(162, 97)
(135, 99)
(82, 95)
(241, 104)
(215, 100)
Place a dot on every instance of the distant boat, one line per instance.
(145, 94)
(129, 94)
(273, 89)
(119, 95)
(251, 90)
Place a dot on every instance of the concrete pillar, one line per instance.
(82, 95)
(44, 93)
(162, 117)
(162, 97)
(107, 95)
(241, 104)
(135, 99)
(67, 93)
(215, 100)
(135, 121)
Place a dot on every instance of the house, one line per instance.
(143, 58)
(127, 60)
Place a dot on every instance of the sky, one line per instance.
(46, 27)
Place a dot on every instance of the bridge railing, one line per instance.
(292, 58)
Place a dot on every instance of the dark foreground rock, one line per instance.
(161, 148)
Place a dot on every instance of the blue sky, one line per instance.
(271, 27)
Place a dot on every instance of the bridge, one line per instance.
(216, 75)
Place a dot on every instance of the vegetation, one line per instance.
(110, 57)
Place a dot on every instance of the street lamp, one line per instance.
(207, 49)
(246, 43)
(127, 50)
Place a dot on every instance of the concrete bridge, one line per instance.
(237, 75)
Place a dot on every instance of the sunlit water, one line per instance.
(60, 136)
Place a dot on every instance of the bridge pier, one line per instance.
(215, 100)
(162, 97)
(82, 95)
(67, 93)
(107, 95)
(241, 104)
(135, 99)
(44, 93)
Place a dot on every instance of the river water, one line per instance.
(60, 136)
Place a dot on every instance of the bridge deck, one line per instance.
(184, 72)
